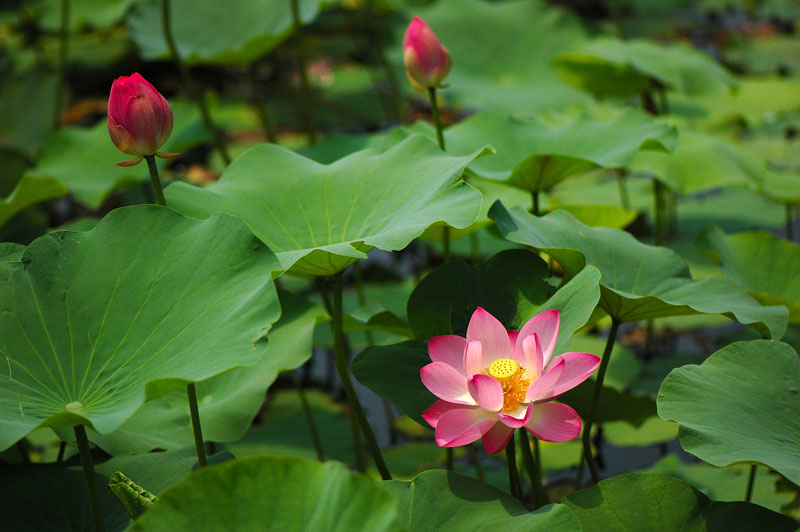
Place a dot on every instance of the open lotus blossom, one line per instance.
(495, 381)
(139, 118)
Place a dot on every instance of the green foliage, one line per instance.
(739, 406)
(270, 493)
(96, 322)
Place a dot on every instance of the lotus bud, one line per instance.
(427, 61)
(139, 118)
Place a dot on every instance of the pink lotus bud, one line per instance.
(139, 117)
(427, 61)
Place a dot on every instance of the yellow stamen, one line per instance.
(514, 380)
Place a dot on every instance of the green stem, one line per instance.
(260, 104)
(751, 481)
(155, 180)
(63, 49)
(535, 202)
(189, 83)
(658, 211)
(199, 445)
(533, 468)
(88, 475)
(312, 426)
(305, 87)
(344, 374)
(579, 473)
(622, 182)
(62, 447)
(513, 474)
(601, 375)
(446, 242)
(436, 120)
(448, 458)
(789, 222)
(362, 300)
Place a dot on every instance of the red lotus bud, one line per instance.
(139, 117)
(427, 61)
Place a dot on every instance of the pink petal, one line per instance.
(497, 438)
(554, 422)
(446, 383)
(577, 368)
(546, 326)
(542, 388)
(461, 426)
(448, 349)
(512, 337)
(473, 358)
(486, 391)
(518, 418)
(532, 355)
(435, 411)
(492, 335)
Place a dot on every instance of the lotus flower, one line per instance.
(427, 61)
(495, 381)
(139, 118)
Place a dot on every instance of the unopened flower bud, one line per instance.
(139, 118)
(427, 61)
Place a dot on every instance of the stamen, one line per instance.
(514, 380)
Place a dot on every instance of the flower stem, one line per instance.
(535, 202)
(63, 49)
(344, 374)
(88, 474)
(436, 120)
(448, 458)
(789, 222)
(601, 374)
(440, 140)
(751, 481)
(312, 425)
(658, 211)
(155, 180)
(199, 445)
(513, 474)
(305, 87)
(534, 469)
(188, 81)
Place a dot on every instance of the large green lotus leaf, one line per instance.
(29, 191)
(512, 74)
(740, 405)
(632, 503)
(768, 266)
(701, 162)
(536, 154)
(782, 187)
(723, 483)
(444, 501)
(505, 285)
(243, 30)
(393, 371)
(227, 402)
(638, 281)
(651, 431)
(94, 323)
(10, 251)
(609, 67)
(53, 497)
(273, 494)
(155, 472)
(84, 159)
(319, 219)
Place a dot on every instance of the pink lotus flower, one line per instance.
(427, 61)
(495, 381)
(139, 118)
